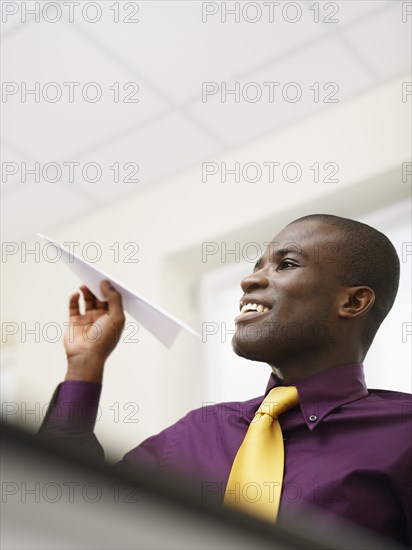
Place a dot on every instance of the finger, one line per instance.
(114, 299)
(101, 305)
(74, 304)
(97, 304)
(89, 298)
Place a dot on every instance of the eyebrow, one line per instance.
(285, 251)
(280, 253)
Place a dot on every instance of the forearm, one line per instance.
(85, 368)
(72, 413)
(71, 417)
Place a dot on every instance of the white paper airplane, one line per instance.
(161, 324)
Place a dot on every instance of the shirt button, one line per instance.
(313, 417)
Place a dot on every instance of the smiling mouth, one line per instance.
(258, 308)
(251, 312)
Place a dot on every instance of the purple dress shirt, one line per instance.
(347, 448)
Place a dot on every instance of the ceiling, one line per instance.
(162, 59)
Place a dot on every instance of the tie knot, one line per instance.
(279, 400)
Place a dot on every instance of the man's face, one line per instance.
(295, 285)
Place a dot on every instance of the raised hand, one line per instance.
(92, 336)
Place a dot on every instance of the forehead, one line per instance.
(304, 236)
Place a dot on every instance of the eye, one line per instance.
(287, 264)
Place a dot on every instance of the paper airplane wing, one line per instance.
(164, 326)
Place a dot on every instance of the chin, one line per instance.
(248, 350)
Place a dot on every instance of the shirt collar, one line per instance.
(321, 393)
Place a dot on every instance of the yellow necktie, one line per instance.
(255, 480)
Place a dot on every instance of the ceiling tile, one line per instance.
(327, 62)
(383, 41)
(37, 207)
(160, 150)
(176, 51)
(50, 130)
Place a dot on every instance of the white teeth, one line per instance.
(254, 307)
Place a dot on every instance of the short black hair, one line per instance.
(366, 257)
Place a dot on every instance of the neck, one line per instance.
(291, 371)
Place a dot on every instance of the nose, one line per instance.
(254, 281)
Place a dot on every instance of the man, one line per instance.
(310, 309)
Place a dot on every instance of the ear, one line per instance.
(356, 301)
